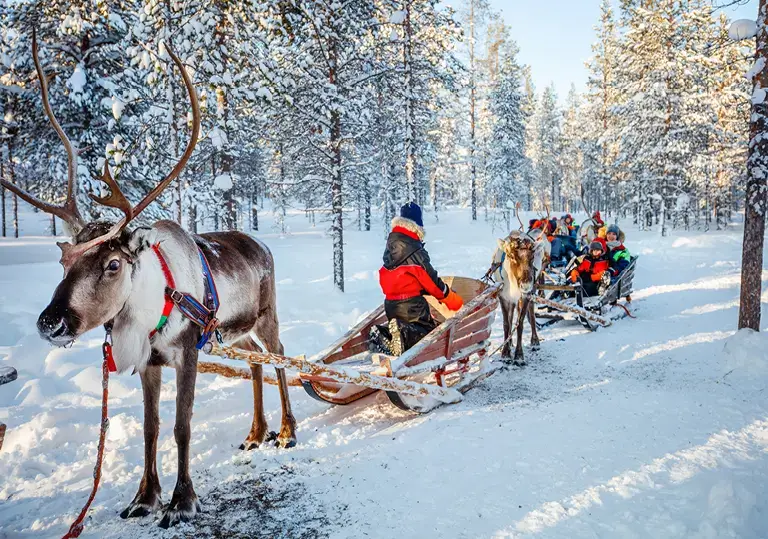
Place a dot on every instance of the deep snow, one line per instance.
(654, 427)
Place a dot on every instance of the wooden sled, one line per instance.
(559, 297)
(453, 355)
(438, 370)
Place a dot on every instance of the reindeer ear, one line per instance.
(141, 239)
(500, 243)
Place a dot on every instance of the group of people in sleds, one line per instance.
(407, 275)
(595, 265)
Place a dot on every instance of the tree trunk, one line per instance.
(410, 159)
(255, 209)
(337, 223)
(193, 218)
(12, 178)
(2, 192)
(367, 202)
(757, 167)
(472, 142)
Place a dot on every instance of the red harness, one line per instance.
(170, 283)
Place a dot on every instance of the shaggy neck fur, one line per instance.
(511, 288)
(410, 226)
(144, 307)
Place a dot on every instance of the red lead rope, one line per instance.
(108, 365)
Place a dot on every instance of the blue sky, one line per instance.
(555, 36)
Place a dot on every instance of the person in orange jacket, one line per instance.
(406, 277)
(594, 271)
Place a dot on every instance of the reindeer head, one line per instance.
(98, 264)
(520, 251)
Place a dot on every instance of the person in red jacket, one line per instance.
(405, 278)
(594, 271)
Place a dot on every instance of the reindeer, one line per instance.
(118, 278)
(519, 260)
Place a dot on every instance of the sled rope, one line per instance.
(77, 526)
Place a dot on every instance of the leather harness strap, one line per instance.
(202, 315)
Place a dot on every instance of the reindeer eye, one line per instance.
(113, 265)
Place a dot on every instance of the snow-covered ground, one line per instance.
(655, 427)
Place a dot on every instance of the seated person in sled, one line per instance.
(406, 276)
(564, 246)
(618, 255)
(594, 272)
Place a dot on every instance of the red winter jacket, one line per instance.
(407, 271)
(591, 269)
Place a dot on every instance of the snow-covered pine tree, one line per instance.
(728, 147)
(571, 164)
(601, 128)
(507, 142)
(546, 159)
(80, 49)
(478, 11)
(320, 66)
(529, 110)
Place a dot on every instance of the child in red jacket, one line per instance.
(405, 278)
(593, 271)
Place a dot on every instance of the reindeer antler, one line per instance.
(116, 198)
(67, 212)
(517, 214)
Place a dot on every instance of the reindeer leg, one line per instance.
(259, 432)
(508, 315)
(184, 504)
(268, 330)
(535, 342)
(523, 308)
(147, 499)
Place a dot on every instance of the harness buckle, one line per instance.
(176, 296)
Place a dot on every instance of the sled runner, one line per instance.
(557, 298)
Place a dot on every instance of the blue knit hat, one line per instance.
(615, 229)
(412, 211)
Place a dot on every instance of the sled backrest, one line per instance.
(465, 287)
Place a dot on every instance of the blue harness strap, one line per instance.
(201, 314)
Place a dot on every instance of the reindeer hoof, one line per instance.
(253, 441)
(141, 506)
(285, 442)
(182, 511)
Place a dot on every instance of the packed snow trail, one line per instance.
(653, 427)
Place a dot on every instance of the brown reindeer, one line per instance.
(520, 259)
(115, 276)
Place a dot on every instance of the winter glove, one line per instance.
(574, 276)
(614, 272)
(453, 301)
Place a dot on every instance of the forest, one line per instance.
(346, 110)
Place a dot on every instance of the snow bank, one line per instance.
(745, 357)
(654, 427)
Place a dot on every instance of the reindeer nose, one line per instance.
(53, 326)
